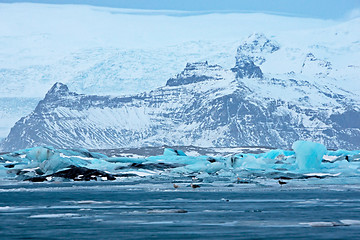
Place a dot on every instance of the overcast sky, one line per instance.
(326, 9)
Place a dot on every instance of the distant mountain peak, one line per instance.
(196, 72)
(58, 89)
(258, 43)
(314, 66)
(310, 57)
(252, 53)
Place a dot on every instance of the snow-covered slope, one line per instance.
(84, 46)
(204, 105)
(116, 52)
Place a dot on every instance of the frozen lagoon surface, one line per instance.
(308, 193)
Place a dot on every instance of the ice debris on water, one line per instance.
(308, 160)
(173, 152)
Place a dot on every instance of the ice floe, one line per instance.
(59, 215)
(308, 161)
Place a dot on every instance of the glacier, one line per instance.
(308, 161)
(107, 53)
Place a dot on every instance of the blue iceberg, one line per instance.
(308, 154)
(309, 161)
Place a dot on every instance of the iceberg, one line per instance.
(308, 154)
(309, 161)
(173, 152)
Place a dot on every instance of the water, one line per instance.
(155, 210)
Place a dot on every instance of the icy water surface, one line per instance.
(152, 209)
(231, 193)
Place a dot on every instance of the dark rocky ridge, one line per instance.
(194, 73)
(245, 67)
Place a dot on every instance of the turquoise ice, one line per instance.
(308, 154)
(308, 160)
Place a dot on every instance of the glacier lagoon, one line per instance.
(311, 192)
(48, 193)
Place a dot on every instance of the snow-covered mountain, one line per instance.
(205, 105)
(130, 51)
(116, 52)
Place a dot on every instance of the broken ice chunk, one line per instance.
(308, 154)
(173, 152)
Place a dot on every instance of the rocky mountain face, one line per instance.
(196, 72)
(204, 105)
(315, 66)
(252, 52)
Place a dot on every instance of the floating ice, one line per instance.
(350, 222)
(308, 154)
(59, 215)
(173, 152)
(322, 224)
(306, 162)
(6, 208)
